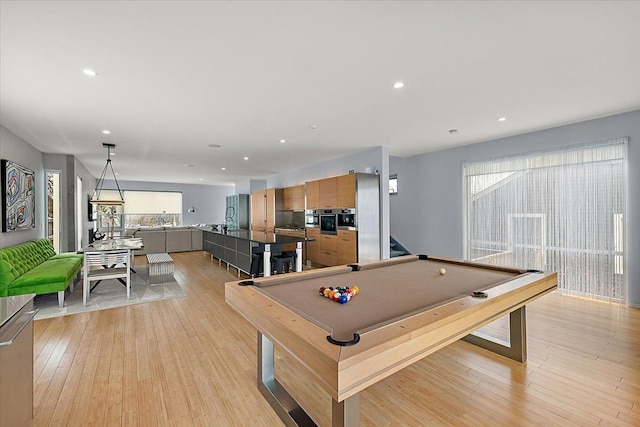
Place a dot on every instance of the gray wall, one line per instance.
(19, 151)
(70, 168)
(209, 200)
(426, 215)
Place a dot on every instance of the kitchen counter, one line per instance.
(296, 232)
(261, 237)
(239, 248)
(16, 360)
(9, 306)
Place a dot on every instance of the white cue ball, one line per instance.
(443, 271)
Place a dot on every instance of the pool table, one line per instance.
(406, 308)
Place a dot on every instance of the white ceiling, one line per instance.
(175, 77)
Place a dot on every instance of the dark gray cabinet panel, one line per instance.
(231, 250)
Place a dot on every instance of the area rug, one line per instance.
(110, 293)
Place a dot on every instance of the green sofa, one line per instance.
(34, 268)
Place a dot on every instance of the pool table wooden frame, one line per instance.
(344, 371)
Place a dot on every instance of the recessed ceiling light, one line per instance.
(189, 165)
(313, 126)
(201, 179)
(106, 132)
(246, 158)
(214, 145)
(502, 119)
(282, 141)
(398, 85)
(453, 131)
(89, 72)
(224, 169)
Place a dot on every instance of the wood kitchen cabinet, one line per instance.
(328, 250)
(258, 205)
(346, 191)
(347, 247)
(313, 247)
(263, 210)
(294, 198)
(313, 194)
(328, 193)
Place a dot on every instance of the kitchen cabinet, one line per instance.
(328, 254)
(347, 247)
(313, 194)
(263, 210)
(346, 191)
(313, 247)
(258, 206)
(294, 198)
(16, 360)
(328, 189)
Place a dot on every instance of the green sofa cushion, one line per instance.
(68, 255)
(59, 270)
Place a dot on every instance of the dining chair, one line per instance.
(102, 265)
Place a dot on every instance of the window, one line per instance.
(557, 211)
(148, 208)
(393, 185)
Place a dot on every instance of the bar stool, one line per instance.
(256, 264)
(283, 263)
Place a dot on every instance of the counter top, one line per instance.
(11, 305)
(261, 237)
(289, 230)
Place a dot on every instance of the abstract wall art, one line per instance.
(18, 197)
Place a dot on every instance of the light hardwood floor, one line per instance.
(191, 361)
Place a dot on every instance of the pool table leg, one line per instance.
(346, 413)
(280, 400)
(516, 348)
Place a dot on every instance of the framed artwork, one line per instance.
(18, 197)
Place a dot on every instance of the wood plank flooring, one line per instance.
(191, 361)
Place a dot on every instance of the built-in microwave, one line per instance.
(312, 219)
(347, 219)
(328, 223)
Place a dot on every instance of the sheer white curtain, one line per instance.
(559, 211)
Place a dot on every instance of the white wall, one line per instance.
(426, 216)
(19, 151)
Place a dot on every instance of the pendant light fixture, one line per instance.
(95, 197)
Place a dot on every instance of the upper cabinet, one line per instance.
(332, 193)
(294, 198)
(328, 193)
(313, 194)
(346, 191)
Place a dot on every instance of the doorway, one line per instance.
(53, 209)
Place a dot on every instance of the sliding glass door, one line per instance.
(559, 211)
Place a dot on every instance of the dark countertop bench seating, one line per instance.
(34, 268)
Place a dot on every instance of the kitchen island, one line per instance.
(239, 248)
